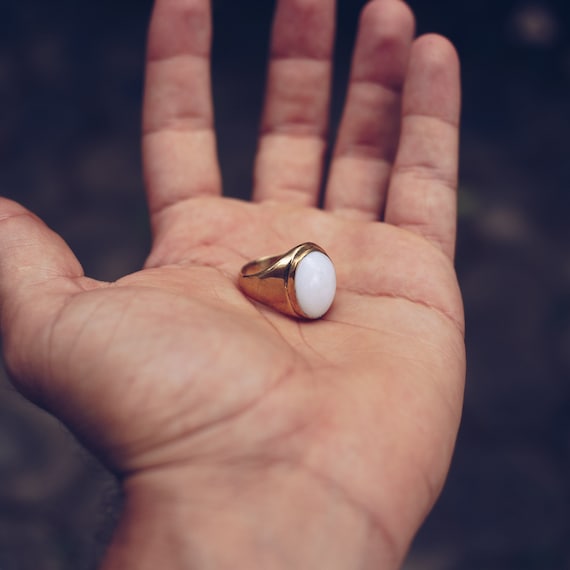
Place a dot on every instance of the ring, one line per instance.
(299, 283)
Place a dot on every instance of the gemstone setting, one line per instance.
(315, 284)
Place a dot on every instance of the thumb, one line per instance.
(38, 275)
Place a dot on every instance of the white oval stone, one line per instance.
(315, 284)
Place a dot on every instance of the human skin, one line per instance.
(245, 438)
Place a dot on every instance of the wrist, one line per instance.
(280, 519)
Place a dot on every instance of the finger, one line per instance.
(38, 273)
(422, 196)
(179, 147)
(369, 130)
(292, 143)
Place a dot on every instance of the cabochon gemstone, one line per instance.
(315, 284)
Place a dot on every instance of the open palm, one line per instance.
(172, 369)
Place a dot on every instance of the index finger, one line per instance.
(179, 143)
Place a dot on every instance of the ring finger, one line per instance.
(369, 130)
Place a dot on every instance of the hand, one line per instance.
(242, 434)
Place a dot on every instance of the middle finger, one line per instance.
(294, 126)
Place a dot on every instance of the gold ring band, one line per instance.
(299, 283)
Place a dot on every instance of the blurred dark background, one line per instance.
(70, 101)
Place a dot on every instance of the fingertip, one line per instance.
(377, 12)
(437, 51)
(10, 208)
(433, 86)
(386, 30)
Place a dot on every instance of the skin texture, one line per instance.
(245, 438)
